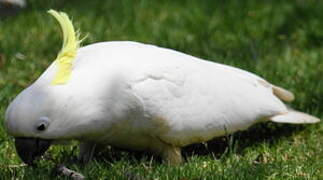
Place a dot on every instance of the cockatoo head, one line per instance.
(33, 117)
(27, 121)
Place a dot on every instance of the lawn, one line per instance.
(281, 41)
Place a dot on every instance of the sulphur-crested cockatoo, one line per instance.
(139, 97)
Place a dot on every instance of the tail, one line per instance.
(292, 116)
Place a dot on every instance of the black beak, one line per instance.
(29, 149)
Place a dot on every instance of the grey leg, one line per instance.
(172, 155)
(86, 152)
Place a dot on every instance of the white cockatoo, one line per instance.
(139, 97)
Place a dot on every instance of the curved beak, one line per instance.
(29, 149)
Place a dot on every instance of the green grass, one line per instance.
(280, 40)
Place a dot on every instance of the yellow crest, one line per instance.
(67, 54)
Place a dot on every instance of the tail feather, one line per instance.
(283, 94)
(295, 117)
(291, 116)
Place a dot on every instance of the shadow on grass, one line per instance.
(268, 133)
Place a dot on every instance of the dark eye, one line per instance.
(41, 127)
(42, 124)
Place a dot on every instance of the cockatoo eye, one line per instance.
(41, 127)
(42, 124)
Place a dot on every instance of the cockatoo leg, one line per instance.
(86, 152)
(172, 155)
